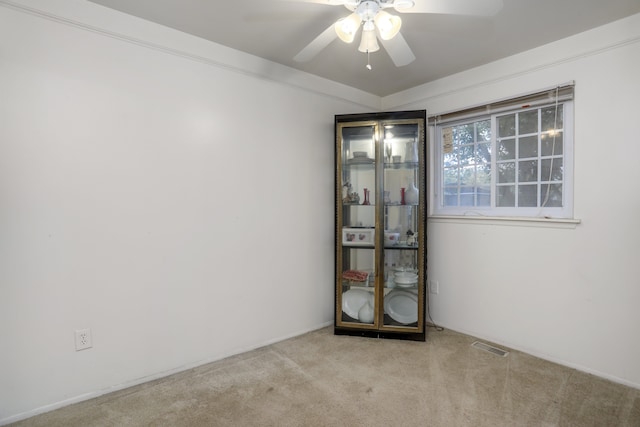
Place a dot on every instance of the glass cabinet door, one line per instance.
(402, 270)
(380, 225)
(356, 210)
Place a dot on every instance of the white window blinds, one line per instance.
(559, 93)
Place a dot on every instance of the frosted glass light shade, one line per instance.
(388, 25)
(369, 42)
(346, 28)
(403, 4)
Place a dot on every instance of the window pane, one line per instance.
(507, 149)
(484, 130)
(528, 171)
(552, 169)
(548, 147)
(463, 134)
(554, 197)
(450, 159)
(468, 175)
(468, 166)
(483, 155)
(483, 174)
(484, 196)
(512, 160)
(506, 196)
(528, 122)
(507, 172)
(467, 196)
(507, 125)
(528, 195)
(466, 154)
(450, 196)
(528, 147)
(450, 176)
(549, 117)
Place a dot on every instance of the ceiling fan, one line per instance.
(377, 23)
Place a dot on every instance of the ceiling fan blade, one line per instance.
(399, 51)
(280, 17)
(349, 4)
(327, 2)
(455, 7)
(319, 43)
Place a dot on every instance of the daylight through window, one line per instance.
(511, 158)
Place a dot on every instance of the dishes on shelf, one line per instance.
(405, 279)
(391, 238)
(405, 285)
(366, 313)
(358, 236)
(401, 306)
(360, 161)
(379, 159)
(354, 299)
(355, 275)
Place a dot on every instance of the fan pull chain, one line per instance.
(368, 61)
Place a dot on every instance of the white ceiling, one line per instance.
(443, 44)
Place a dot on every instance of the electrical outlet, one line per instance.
(434, 287)
(83, 339)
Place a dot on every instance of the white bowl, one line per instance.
(405, 278)
(406, 284)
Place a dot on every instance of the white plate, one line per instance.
(402, 306)
(406, 280)
(354, 299)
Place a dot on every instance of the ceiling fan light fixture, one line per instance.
(403, 4)
(351, 4)
(388, 25)
(346, 28)
(369, 42)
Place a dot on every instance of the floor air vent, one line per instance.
(490, 349)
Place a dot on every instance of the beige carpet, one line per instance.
(319, 379)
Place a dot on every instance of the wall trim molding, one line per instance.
(401, 100)
(391, 102)
(303, 81)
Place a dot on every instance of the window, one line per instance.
(511, 158)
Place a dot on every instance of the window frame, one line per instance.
(493, 211)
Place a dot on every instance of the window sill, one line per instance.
(506, 220)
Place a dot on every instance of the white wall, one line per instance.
(568, 294)
(175, 196)
(172, 195)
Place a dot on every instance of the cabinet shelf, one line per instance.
(364, 166)
(388, 322)
(401, 165)
(401, 247)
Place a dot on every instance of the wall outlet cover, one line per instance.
(83, 339)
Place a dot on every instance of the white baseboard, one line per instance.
(137, 381)
(547, 357)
